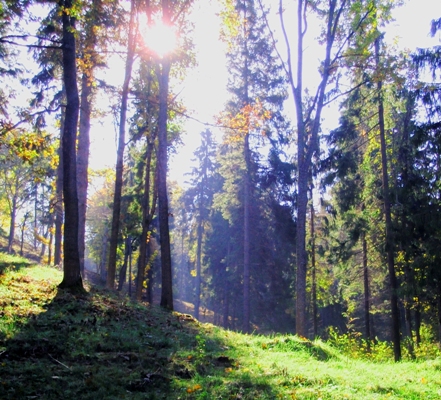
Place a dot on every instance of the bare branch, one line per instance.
(10, 128)
(344, 93)
(26, 37)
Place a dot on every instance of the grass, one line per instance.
(101, 346)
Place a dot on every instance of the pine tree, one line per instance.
(258, 92)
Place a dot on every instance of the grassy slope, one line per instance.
(100, 346)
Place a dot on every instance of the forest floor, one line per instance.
(103, 346)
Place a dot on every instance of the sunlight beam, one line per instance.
(159, 38)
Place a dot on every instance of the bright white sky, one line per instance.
(204, 89)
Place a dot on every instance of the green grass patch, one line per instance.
(12, 262)
(102, 346)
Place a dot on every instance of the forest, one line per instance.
(284, 225)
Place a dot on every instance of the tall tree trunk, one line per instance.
(314, 273)
(226, 288)
(43, 244)
(183, 264)
(418, 323)
(439, 312)
(59, 203)
(113, 246)
(301, 255)
(71, 268)
(12, 223)
(103, 255)
(226, 308)
(308, 127)
(409, 328)
(90, 56)
(149, 291)
(147, 217)
(246, 239)
(163, 72)
(130, 275)
(395, 328)
(367, 318)
(83, 159)
(123, 271)
(35, 215)
(303, 166)
(23, 227)
(197, 302)
(246, 188)
(51, 239)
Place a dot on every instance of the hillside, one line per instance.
(102, 346)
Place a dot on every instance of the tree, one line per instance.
(172, 14)
(201, 195)
(387, 212)
(71, 267)
(425, 170)
(94, 19)
(58, 207)
(308, 114)
(258, 92)
(341, 21)
(131, 47)
(16, 182)
(163, 214)
(98, 221)
(148, 207)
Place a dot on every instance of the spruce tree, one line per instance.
(257, 91)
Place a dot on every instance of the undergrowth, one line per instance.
(102, 346)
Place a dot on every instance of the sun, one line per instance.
(159, 38)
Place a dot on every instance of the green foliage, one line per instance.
(352, 345)
(429, 348)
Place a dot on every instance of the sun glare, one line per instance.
(160, 38)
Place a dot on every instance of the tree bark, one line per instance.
(89, 55)
(308, 127)
(246, 239)
(149, 291)
(71, 268)
(301, 255)
(200, 229)
(418, 324)
(103, 255)
(163, 72)
(147, 217)
(439, 312)
(51, 239)
(367, 319)
(83, 160)
(226, 288)
(35, 215)
(12, 222)
(113, 246)
(123, 270)
(314, 274)
(59, 203)
(23, 227)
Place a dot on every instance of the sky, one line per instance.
(203, 91)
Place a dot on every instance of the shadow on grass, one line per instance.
(101, 346)
(13, 263)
